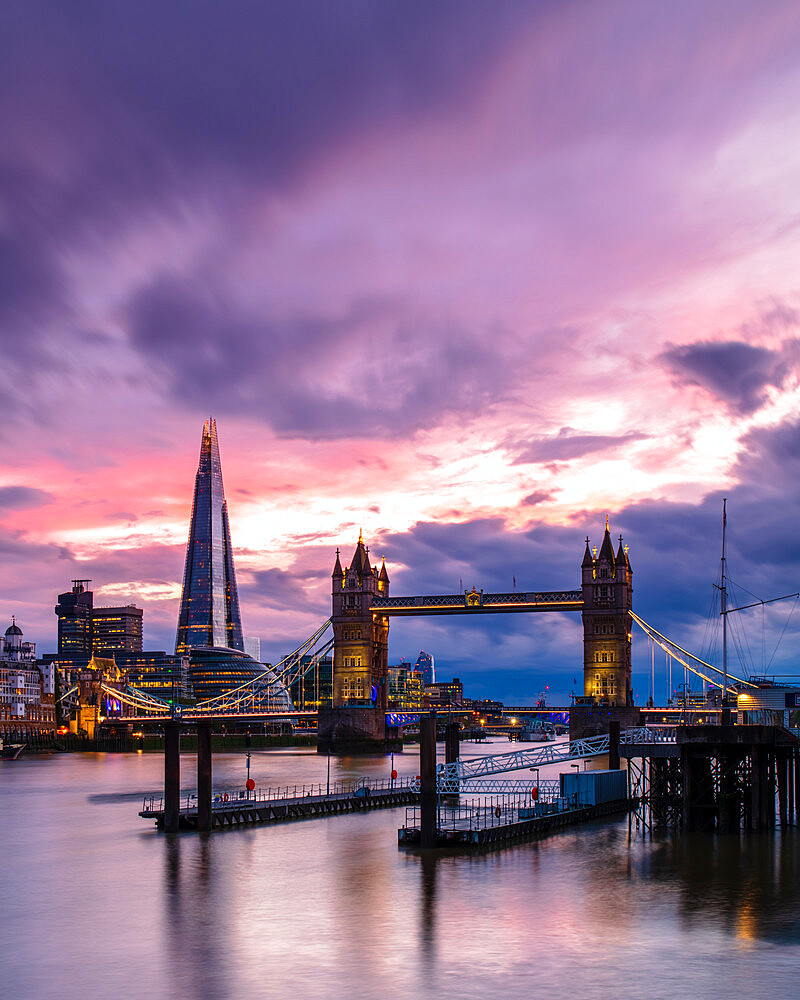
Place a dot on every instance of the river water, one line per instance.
(96, 903)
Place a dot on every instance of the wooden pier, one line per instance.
(718, 778)
(241, 811)
(511, 828)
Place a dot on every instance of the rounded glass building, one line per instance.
(214, 670)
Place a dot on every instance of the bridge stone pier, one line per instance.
(361, 607)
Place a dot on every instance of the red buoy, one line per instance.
(535, 792)
(250, 784)
(497, 811)
(394, 775)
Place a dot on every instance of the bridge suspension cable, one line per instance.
(141, 701)
(272, 681)
(689, 660)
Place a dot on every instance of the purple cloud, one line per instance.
(21, 497)
(569, 444)
(736, 373)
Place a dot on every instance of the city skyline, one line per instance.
(467, 282)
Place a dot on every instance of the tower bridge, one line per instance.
(362, 607)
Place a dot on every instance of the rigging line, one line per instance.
(733, 583)
(780, 638)
(711, 625)
(650, 630)
(742, 643)
(741, 651)
(772, 600)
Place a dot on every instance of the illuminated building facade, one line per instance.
(84, 629)
(74, 611)
(165, 675)
(607, 584)
(404, 688)
(27, 691)
(426, 667)
(444, 694)
(209, 611)
(117, 629)
(314, 688)
(361, 638)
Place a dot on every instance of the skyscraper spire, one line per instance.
(209, 614)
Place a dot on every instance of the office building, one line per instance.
(425, 666)
(117, 629)
(84, 629)
(252, 646)
(209, 611)
(166, 675)
(74, 611)
(404, 688)
(216, 670)
(315, 687)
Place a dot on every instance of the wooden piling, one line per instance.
(427, 774)
(204, 776)
(613, 744)
(172, 777)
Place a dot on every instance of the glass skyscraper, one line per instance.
(209, 614)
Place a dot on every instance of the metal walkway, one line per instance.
(450, 776)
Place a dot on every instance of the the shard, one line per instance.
(209, 614)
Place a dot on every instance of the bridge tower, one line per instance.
(361, 639)
(607, 584)
(356, 721)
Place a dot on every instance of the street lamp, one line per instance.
(577, 771)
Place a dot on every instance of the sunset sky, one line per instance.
(467, 276)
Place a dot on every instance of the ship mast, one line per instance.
(723, 601)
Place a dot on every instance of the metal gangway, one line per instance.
(451, 776)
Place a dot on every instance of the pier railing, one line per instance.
(492, 811)
(229, 797)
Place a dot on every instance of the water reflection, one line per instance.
(427, 923)
(332, 910)
(747, 884)
(192, 911)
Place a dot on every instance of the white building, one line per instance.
(27, 692)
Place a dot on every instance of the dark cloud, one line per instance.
(569, 444)
(277, 588)
(539, 496)
(734, 372)
(21, 497)
(297, 375)
(255, 83)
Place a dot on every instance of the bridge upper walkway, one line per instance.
(477, 602)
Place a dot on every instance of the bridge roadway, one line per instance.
(193, 719)
(476, 602)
